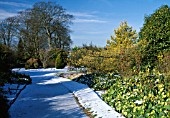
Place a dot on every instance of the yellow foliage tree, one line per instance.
(119, 47)
(124, 38)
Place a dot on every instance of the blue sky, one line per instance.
(94, 20)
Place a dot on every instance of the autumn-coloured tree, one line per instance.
(124, 37)
(119, 48)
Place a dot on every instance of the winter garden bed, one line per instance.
(140, 96)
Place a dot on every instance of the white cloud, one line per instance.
(84, 17)
(81, 14)
(78, 20)
(4, 14)
(15, 4)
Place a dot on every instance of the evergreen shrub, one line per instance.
(61, 60)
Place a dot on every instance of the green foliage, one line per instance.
(156, 35)
(87, 79)
(121, 49)
(163, 63)
(118, 56)
(138, 92)
(86, 56)
(125, 37)
(75, 56)
(32, 63)
(104, 82)
(75, 48)
(61, 60)
(142, 96)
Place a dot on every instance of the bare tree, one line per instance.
(8, 31)
(45, 26)
(53, 20)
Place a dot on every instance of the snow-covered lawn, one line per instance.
(50, 96)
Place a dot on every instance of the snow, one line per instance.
(11, 91)
(51, 96)
(138, 102)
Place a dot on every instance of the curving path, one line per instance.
(45, 98)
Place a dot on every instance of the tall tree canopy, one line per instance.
(156, 35)
(53, 20)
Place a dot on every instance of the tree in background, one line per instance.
(45, 27)
(85, 56)
(117, 57)
(8, 29)
(61, 60)
(53, 20)
(48, 57)
(124, 38)
(20, 54)
(118, 49)
(30, 34)
(155, 36)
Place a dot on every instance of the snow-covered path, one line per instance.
(50, 96)
(43, 99)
